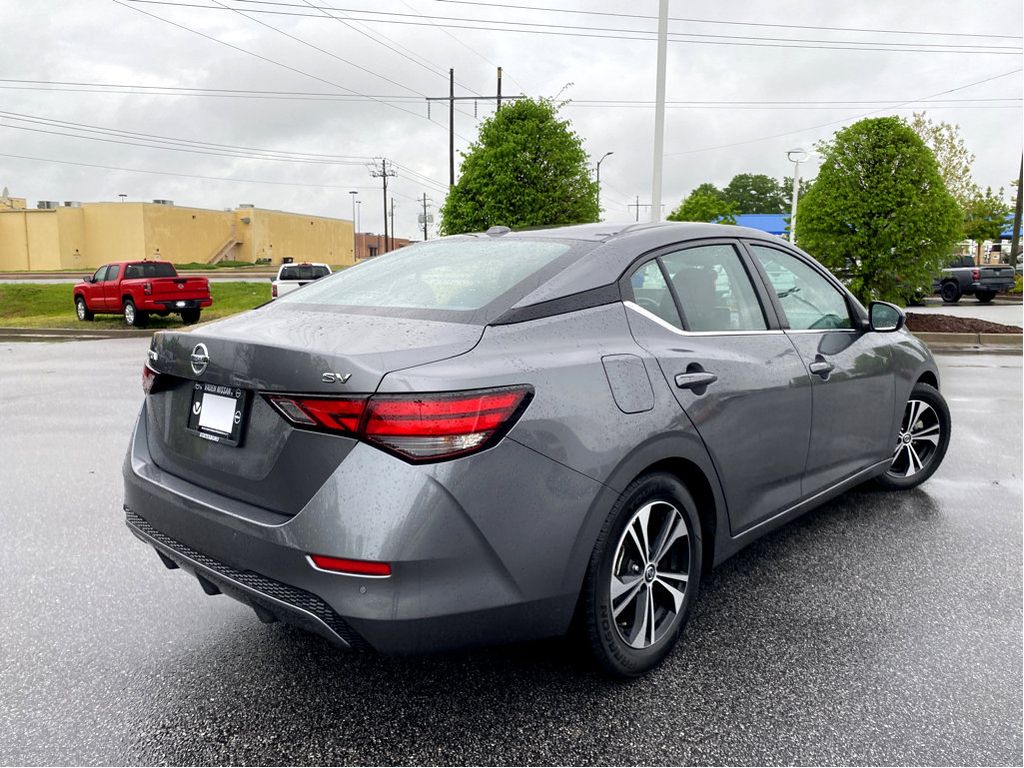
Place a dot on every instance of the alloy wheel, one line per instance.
(129, 314)
(650, 574)
(80, 308)
(918, 439)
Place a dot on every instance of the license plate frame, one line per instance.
(221, 418)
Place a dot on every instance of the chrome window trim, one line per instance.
(668, 326)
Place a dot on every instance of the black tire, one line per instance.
(190, 316)
(950, 292)
(82, 309)
(133, 318)
(985, 296)
(896, 477)
(604, 630)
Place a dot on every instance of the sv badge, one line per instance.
(335, 378)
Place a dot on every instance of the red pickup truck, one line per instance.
(136, 289)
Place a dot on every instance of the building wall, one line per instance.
(83, 238)
(369, 244)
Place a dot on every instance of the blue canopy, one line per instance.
(772, 223)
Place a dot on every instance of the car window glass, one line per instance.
(809, 301)
(651, 292)
(112, 271)
(714, 289)
(99, 274)
(303, 272)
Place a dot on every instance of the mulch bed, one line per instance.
(929, 323)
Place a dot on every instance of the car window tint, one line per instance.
(100, 274)
(461, 275)
(651, 292)
(112, 272)
(714, 289)
(149, 269)
(809, 300)
(303, 272)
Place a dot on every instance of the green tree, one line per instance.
(951, 153)
(756, 193)
(704, 205)
(526, 169)
(985, 216)
(878, 212)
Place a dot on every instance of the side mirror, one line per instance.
(885, 317)
(86, 278)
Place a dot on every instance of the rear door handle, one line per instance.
(821, 367)
(697, 380)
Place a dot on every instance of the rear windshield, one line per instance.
(303, 272)
(149, 269)
(450, 279)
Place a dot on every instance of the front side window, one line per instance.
(100, 274)
(651, 292)
(714, 289)
(809, 301)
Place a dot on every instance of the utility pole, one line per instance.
(451, 98)
(1015, 243)
(425, 216)
(638, 205)
(659, 111)
(392, 224)
(383, 171)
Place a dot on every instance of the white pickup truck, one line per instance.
(292, 276)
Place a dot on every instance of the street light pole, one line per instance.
(606, 154)
(353, 193)
(795, 156)
(659, 111)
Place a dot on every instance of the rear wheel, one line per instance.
(643, 576)
(985, 296)
(922, 440)
(133, 318)
(950, 292)
(82, 309)
(190, 316)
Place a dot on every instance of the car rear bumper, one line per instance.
(999, 285)
(507, 572)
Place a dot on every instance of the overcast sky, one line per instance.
(106, 42)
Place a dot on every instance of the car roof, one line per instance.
(616, 246)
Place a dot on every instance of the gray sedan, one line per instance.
(495, 437)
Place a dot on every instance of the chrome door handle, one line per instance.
(821, 367)
(696, 380)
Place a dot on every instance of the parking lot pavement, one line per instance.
(879, 629)
(999, 311)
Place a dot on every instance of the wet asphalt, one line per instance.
(879, 629)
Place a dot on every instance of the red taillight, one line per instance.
(976, 274)
(418, 427)
(147, 288)
(352, 567)
(148, 378)
(273, 291)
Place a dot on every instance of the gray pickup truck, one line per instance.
(964, 278)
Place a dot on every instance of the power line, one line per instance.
(676, 37)
(730, 23)
(841, 120)
(168, 90)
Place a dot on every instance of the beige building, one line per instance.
(82, 236)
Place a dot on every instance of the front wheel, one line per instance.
(643, 576)
(82, 309)
(950, 292)
(985, 296)
(922, 440)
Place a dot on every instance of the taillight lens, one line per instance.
(147, 288)
(417, 427)
(148, 379)
(976, 274)
(273, 291)
(350, 567)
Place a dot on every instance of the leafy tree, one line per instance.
(878, 213)
(709, 188)
(951, 153)
(787, 191)
(756, 193)
(985, 216)
(526, 169)
(704, 205)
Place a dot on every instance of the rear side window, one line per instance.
(457, 275)
(303, 272)
(112, 271)
(714, 289)
(809, 301)
(651, 292)
(149, 269)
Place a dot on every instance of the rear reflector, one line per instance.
(417, 427)
(351, 567)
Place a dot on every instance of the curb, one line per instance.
(1006, 343)
(68, 334)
